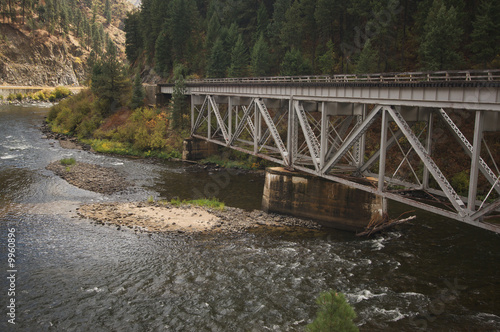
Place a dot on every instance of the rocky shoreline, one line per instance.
(66, 141)
(25, 102)
(165, 217)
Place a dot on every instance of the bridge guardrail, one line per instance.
(406, 77)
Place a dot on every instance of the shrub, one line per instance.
(61, 92)
(334, 314)
(19, 96)
(212, 203)
(11, 97)
(68, 161)
(1, 97)
(460, 182)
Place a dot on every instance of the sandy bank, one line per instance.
(165, 217)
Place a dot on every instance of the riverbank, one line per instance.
(184, 218)
(27, 95)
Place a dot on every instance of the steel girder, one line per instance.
(319, 146)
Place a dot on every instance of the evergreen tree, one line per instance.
(180, 23)
(109, 81)
(262, 19)
(179, 107)
(328, 61)
(163, 55)
(439, 49)
(260, 60)
(239, 59)
(217, 63)
(278, 19)
(294, 64)
(367, 62)
(485, 36)
(231, 38)
(138, 93)
(325, 12)
(133, 37)
(334, 314)
(299, 28)
(107, 11)
(212, 31)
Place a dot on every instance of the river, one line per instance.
(72, 275)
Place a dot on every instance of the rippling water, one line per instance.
(74, 276)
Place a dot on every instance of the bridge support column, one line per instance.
(332, 204)
(196, 149)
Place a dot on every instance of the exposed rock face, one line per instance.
(39, 59)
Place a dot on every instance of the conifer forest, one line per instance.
(236, 38)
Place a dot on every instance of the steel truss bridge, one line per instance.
(344, 128)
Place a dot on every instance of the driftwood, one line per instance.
(380, 223)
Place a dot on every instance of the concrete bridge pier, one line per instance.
(332, 204)
(196, 149)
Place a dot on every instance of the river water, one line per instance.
(433, 273)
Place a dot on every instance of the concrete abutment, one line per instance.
(331, 204)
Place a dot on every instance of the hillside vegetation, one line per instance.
(219, 38)
(48, 42)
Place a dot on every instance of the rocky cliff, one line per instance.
(37, 58)
(31, 56)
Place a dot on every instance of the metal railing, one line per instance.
(408, 77)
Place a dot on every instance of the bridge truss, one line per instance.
(351, 143)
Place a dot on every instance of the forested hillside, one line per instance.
(48, 42)
(218, 38)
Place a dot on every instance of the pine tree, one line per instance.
(239, 59)
(179, 107)
(138, 93)
(334, 314)
(328, 62)
(180, 23)
(367, 62)
(109, 81)
(485, 37)
(439, 49)
(107, 11)
(294, 64)
(133, 37)
(262, 19)
(260, 60)
(163, 54)
(217, 63)
(212, 31)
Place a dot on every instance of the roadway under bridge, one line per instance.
(373, 132)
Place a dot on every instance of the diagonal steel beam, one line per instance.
(226, 115)
(467, 146)
(200, 117)
(221, 123)
(352, 139)
(276, 119)
(448, 190)
(311, 139)
(272, 128)
(242, 123)
(487, 209)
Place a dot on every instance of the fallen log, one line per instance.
(382, 222)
